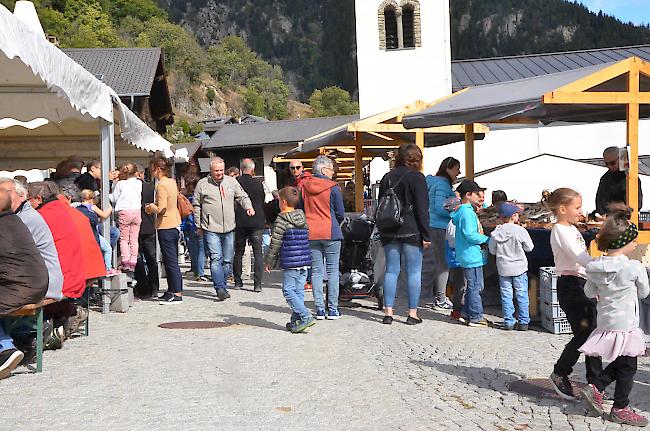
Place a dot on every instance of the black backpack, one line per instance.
(389, 214)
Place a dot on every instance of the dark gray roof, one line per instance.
(523, 99)
(470, 73)
(128, 71)
(274, 132)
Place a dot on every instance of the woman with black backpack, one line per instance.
(402, 218)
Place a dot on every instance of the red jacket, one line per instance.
(68, 245)
(93, 261)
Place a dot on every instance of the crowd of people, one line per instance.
(429, 231)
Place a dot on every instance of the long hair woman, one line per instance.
(412, 236)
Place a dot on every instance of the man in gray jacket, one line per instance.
(40, 233)
(214, 215)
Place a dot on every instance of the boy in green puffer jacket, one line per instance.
(289, 250)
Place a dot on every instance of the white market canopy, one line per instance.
(51, 107)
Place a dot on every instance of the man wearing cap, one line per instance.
(510, 242)
(469, 238)
(613, 184)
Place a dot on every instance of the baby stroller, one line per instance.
(356, 267)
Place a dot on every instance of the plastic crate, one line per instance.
(548, 285)
(556, 326)
(551, 310)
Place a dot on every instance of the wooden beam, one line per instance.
(519, 120)
(632, 122)
(399, 128)
(469, 151)
(422, 106)
(603, 75)
(597, 98)
(358, 179)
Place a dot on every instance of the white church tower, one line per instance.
(403, 52)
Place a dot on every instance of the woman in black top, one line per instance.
(412, 235)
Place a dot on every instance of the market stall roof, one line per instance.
(533, 99)
(50, 105)
(274, 132)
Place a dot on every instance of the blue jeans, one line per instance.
(7, 343)
(473, 306)
(413, 255)
(293, 289)
(107, 252)
(266, 241)
(520, 286)
(221, 248)
(115, 235)
(196, 247)
(168, 240)
(331, 252)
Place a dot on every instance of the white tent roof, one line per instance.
(38, 81)
(525, 181)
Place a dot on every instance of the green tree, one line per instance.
(90, 26)
(332, 101)
(266, 97)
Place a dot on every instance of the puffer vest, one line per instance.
(294, 252)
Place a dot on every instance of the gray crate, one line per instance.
(548, 285)
(556, 326)
(551, 310)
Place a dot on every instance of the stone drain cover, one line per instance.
(539, 388)
(197, 324)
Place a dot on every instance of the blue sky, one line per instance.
(637, 11)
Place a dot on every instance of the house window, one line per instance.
(408, 21)
(390, 24)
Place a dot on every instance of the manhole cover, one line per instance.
(539, 388)
(197, 324)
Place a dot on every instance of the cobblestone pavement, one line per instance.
(350, 374)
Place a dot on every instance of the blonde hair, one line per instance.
(87, 195)
(560, 197)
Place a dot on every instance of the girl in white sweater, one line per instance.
(617, 283)
(127, 202)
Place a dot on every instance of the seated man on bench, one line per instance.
(23, 277)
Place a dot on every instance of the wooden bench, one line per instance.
(35, 310)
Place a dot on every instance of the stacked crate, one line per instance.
(551, 315)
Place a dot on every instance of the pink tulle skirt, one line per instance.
(609, 345)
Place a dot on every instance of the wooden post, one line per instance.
(419, 141)
(469, 151)
(358, 177)
(633, 143)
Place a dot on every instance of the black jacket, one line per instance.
(613, 188)
(255, 191)
(412, 192)
(87, 182)
(23, 274)
(147, 227)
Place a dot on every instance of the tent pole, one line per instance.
(107, 143)
(632, 121)
(469, 151)
(358, 177)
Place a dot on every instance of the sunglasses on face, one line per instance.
(295, 168)
(611, 163)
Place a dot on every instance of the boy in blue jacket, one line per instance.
(469, 238)
(290, 250)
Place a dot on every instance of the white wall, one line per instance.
(270, 151)
(388, 79)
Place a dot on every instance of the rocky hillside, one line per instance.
(314, 40)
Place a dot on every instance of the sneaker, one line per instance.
(174, 299)
(562, 386)
(593, 399)
(505, 327)
(521, 327)
(257, 289)
(463, 319)
(289, 326)
(301, 325)
(55, 339)
(73, 323)
(444, 304)
(222, 294)
(238, 284)
(188, 273)
(320, 314)
(9, 360)
(113, 271)
(455, 315)
(482, 323)
(627, 416)
(165, 296)
(308, 287)
(201, 278)
(334, 315)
